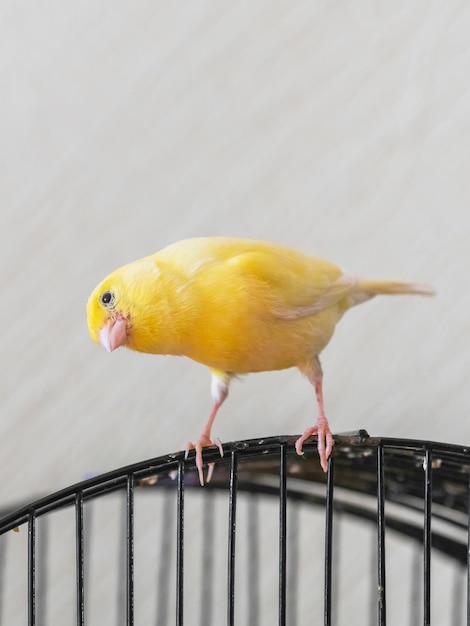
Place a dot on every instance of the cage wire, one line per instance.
(383, 536)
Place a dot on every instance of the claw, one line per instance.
(203, 442)
(321, 429)
(210, 471)
(325, 441)
(211, 466)
(218, 443)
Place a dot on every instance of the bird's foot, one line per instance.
(325, 441)
(204, 442)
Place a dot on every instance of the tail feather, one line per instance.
(367, 289)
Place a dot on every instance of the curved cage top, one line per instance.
(419, 490)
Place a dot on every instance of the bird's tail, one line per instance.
(367, 289)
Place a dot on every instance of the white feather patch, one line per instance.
(220, 382)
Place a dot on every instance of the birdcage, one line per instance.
(382, 537)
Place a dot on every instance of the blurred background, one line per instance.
(339, 130)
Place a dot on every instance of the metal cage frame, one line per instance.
(428, 477)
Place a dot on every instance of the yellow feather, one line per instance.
(235, 305)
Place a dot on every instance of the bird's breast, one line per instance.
(228, 323)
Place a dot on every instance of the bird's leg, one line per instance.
(219, 390)
(321, 428)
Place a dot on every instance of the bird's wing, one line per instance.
(291, 284)
(331, 296)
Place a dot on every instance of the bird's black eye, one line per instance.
(107, 298)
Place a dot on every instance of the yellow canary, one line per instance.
(237, 306)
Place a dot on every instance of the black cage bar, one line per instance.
(390, 512)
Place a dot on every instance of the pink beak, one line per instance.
(114, 334)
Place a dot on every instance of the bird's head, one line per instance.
(128, 306)
(108, 314)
